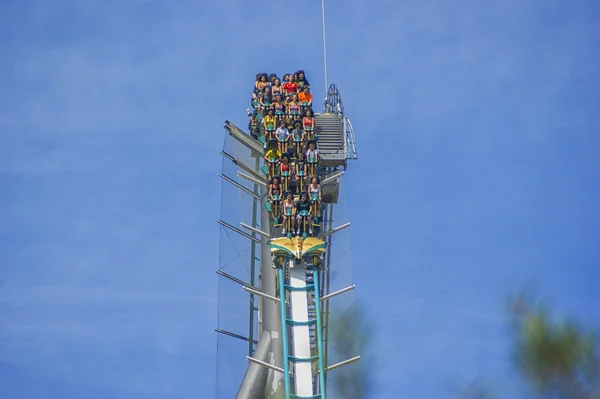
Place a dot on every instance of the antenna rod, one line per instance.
(324, 44)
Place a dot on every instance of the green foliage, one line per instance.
(558, 359)
(350, 335)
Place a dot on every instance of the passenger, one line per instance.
(282, 133)
(307, 123)
(288, 120)
(289, 211)
(312, 153)
(284, 91)
(291, 153)
(272, 78)
(274, 189)
(301, 79)
(300, 172)
(275, 199)
(315, 194)
(255, 102)
(290, 86)
(269, 125)
(272, 157)
(266, 98)
(255, 123)
(279, 107)
(276, 87)
(312, 156)
(285, 169)
(303, 210)
(297, 138)
(305, 98)
(262, 82)
(293, 107)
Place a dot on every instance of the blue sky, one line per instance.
(476, 125)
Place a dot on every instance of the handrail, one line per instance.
(333, 101)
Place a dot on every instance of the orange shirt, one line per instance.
(304, 97)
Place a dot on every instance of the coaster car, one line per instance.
(297, 247)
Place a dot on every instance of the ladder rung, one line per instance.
(303, 359)
(309, 287)
(300, 323)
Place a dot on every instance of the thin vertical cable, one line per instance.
(324, 44)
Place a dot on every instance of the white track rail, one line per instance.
(300, 335)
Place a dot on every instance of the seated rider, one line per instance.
(300, 172)
(315, 194)
(274, 194)
(262, 81)
(305, 97)
(269, 124)
(290, 86)
(255, 122)
(279, 107)
(293, 107)
(301, 79)
(312, 157)
(307, 123)
(282, 133)
(276, 86)
(285, 168)
(297, 136)
(272, 157)
(289, 211)
(275, 189)
(265, 98)
(303, 210)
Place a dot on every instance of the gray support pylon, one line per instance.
(253, 384)
(271, 322)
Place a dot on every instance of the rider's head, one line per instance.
(304, 196)
(289, 196)
(282, 123)
(315, 180)
(275, 180)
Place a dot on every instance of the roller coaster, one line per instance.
(288, 168)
